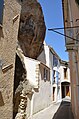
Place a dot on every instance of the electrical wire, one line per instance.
(65, 28)
(63, 34)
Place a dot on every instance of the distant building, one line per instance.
(58, 77)
(9, 24)
(65, 79)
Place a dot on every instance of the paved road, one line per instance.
(64, 111)
(47, 113)
(61, 110)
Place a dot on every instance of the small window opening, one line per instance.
(65, 73)
(1, 11)
(45, 74)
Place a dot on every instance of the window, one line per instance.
(65, 73)
(54, 74)
(1, 10)
(45, 74)
(55, 61)
(58, 75)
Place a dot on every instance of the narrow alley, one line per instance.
(59, 110)
(64, 111)
(47, 113)
(39, 59)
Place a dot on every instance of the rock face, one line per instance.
(30, 43)
(32, 28)
(21, 88)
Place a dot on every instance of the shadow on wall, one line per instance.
(64, 111)
(1, 33)
(1, 100)
(19, 77)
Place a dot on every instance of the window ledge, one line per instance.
(1, 26)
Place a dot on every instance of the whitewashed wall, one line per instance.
(61, 70)
(42, 99)
(32, 68)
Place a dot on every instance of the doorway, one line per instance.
(65, 90)
(54, 88)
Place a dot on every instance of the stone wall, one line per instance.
(8, 38)
(30, 43)
(30, 40)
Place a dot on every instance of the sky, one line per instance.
(53, 16)
(1, 10)
(52, 10)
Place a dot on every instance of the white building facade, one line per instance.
(38, 75)
(65, 79)
(53, 61)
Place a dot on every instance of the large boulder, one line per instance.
(32, 28)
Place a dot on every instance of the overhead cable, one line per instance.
(63, 34)
(65, 28)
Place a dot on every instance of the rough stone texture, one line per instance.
(30, 42)
(21, 87)
(30, 39)
(32, 28)
(8, 37)
(20, 76)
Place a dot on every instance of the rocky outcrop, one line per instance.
(30, 43)
(32, 28)
(21, 87)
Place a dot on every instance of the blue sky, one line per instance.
(52, 10)
(1, 10)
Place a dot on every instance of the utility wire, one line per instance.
(63, 34)
(65, 28)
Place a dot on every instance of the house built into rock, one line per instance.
(21, 25)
